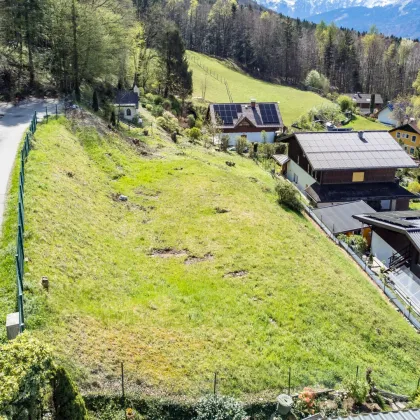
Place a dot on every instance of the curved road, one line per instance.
(14, 121)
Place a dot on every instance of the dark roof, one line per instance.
(331, 150)
(339, 218)
(363, 98)
(411, 127)
(338, 193)
(125, 97)
(404, 222)
(263, 115)
(413, 414)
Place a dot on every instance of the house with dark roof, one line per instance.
(396, 243)
(337, 167)
(247, 120)
(127, 103)
(385, 115)
(409, 135)
(363, 101)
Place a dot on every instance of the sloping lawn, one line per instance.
(292, 102)
(199, 271)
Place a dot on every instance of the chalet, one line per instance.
(127, 103)
(247, 120)
(396, 243)
(385, 115)
(334, 167)
(409, 135)
(363, 101)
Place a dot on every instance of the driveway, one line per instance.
(14, 120)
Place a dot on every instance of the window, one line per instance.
(413, 139)
(406, 136)
(295, 178)
(405, 148)
(398, 135)
(128, 112)
(411, 150)
(358, 176)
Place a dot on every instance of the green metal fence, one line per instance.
(20, 253)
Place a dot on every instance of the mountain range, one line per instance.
(400, 18)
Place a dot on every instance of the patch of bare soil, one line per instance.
(237, 273)
(143, 192)
(219, 210)
(168, 252)
(194, 259)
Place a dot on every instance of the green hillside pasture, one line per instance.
(292, 102)
(199, 271)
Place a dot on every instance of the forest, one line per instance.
(57, 46)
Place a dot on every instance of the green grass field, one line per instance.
(292, 102)
(177, 289)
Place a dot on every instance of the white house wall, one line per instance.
(122, 110)
(304, 180)
(252, 137)
(381, 249)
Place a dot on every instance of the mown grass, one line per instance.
(302, 302)
(292, 102)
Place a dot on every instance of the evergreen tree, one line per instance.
(113, 118)
(95, 101)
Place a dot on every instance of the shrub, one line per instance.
(158, 100)
(356, 242)
(194, 133)
(168, 122)
(306, 403)
(266, 150)
(318, 81)
(345, 103)
(241, 145)
(414, 187)
(219, 407)
(358, 389)
(167, 105)
(150, 97)
(149, 107)
(191, 120)
(158, 111)
(224, 142)
(288, 196)
(68, 403)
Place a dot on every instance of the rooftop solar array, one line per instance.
(331, 150)
(261, 115)
(269, 114)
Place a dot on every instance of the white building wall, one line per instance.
(385, 117)
(380, 249)
(122, 110)
(304, 180)
(252, 137)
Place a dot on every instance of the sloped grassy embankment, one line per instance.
(199, 271)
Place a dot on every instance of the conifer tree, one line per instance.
(95, 101)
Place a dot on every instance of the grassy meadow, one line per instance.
(292, 102)
(199, 271)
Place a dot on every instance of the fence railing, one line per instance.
(20, 252)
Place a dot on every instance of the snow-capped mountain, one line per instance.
(392, 17)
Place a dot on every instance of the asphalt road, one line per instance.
(14, 121)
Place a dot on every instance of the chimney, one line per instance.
(361, 135)
(253, 103)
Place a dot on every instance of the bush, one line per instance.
(345, 103)
(241, 145)
(68, 403)
(356, 242)
(266, 150)
(318, 81)
(191, 120)
(224, 142)
(158, 100)
(149, 107)
(219, 407)
(414, 187)
(168, 122)
(167, 105)
(158, 111)
(358, 389)
(194, 133)
(288, 196)
(150, 97)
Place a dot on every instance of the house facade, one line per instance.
(409, 135)
(248, 120)
(363, 101)
(333, 168)
(127, 104)
(385, 115)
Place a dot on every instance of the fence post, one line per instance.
(215, 383)
(357, 373)
(290, 376)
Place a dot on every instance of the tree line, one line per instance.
(278, 48)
